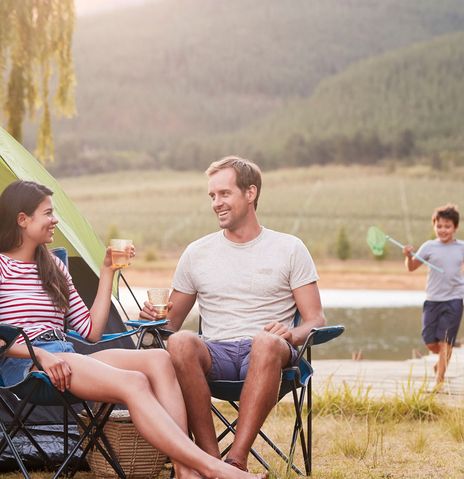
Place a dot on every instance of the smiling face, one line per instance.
(444, 230)
(231, 205)
(39, 228)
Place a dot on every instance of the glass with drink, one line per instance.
(120, 252)
(158, 298)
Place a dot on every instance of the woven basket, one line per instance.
(137, 457)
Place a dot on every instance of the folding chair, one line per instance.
(37, 390)
(293, 379)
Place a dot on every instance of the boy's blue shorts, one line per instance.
(441, 320)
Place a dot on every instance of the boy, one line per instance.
(443, 307)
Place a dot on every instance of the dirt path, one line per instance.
(355, 274)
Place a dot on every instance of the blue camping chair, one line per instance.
(297, 380)
(37, 390)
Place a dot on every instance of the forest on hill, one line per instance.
(402, 104)
(176, 83)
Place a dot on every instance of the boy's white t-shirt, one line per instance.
(450, 258)
(243, 286)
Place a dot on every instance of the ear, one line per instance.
(252, 191)
(22, 219)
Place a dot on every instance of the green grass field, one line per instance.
(356, 436)
(162, 211)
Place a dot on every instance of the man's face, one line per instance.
(444, 230)
(230, 204)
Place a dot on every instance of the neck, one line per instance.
(24, 252)
(244, 234)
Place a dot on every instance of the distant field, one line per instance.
(163, 210)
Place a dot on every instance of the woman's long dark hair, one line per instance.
(24, 197)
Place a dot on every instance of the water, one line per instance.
(381, 324)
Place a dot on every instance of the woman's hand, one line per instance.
(57, 368)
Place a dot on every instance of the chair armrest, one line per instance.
(8, 336)
(319, 336)
(138, 326)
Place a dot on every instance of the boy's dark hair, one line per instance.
(446, 212)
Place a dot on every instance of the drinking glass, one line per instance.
(158, 298)
(120, 252)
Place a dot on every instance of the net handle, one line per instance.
(415, 255)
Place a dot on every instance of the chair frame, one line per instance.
(293, 378)
(31, 392)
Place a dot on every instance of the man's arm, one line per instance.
(180, 305)
(308, 302)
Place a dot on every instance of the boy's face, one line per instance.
(444, 230)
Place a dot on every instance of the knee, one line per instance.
(159, 358)
(137, 381)
(433, 347)
(267, 345)
(183, 346)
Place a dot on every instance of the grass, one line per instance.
(356, 436)
(164, 210)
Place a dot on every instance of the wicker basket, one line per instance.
(137, 457)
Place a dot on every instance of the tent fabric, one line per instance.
(74, 232)
(86, 253)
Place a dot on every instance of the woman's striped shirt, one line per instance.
(25, 303)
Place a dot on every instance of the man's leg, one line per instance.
(269, 354)
(192, 361)
(444, 355)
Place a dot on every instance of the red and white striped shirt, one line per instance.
(25, 303)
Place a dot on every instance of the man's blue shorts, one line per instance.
(14, 370)
(441, 320)
(230, 359)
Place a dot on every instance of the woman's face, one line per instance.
(40, 226)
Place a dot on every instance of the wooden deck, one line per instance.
(386, 378)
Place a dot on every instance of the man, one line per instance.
(248, 281)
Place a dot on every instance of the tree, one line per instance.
(343, 245)
(36, 37)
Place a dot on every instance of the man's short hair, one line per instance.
(447, 212)
(247, 173)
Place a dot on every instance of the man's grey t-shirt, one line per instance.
(449, 257)
(243, 286)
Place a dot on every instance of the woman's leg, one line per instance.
(94, 380)
(157, 366)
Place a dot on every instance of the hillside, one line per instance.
(162, 211)
(416, 89)
(159, 81)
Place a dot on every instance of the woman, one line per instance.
(36, 293)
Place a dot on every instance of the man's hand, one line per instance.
(148, 312)
(57, 369)
(279, 329)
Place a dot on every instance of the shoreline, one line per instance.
(334, 274)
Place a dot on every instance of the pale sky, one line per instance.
(89, 7)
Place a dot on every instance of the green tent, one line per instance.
(73, 231)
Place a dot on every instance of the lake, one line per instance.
(381, 324)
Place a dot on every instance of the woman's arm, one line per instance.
(101, 305)
(55, 367)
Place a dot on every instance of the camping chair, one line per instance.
(293, 379)
(37, 390)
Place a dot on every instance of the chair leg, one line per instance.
(309, 431)
(96, 424)
(16, 455)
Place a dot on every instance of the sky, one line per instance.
(89, 7)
